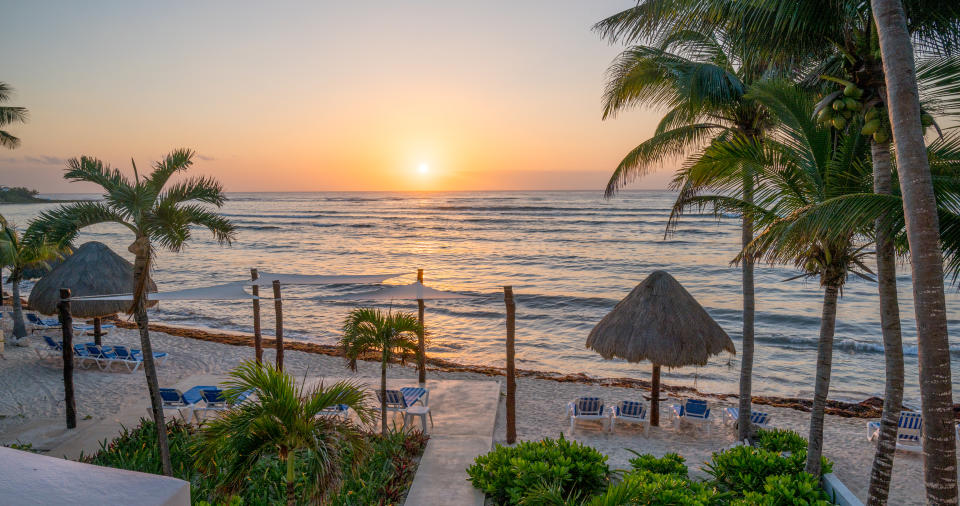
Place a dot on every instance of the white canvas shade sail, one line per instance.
(267, 279)
(413, 291)
(227, 291)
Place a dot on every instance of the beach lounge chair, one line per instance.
(586, 408)
(631, 412)
(414, 395)
(214, 400)
(180, 401)
(37, 323)
(758, 418)
(908, 431)
(102, 355)
(337, 410)
(132, 359)
(694, 411)
(82, 357)
(49, 349)
(399, 401)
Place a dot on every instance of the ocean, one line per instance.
(570, 257)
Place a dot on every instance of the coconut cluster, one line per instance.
(851, 103)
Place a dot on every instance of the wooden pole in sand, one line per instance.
(511, 369)
(66, 326)
(97, 331)
(655, 397)
(421, 345)
(278, 305)
(257, 336)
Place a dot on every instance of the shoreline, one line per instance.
(868, 408)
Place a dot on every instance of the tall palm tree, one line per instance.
(10, 115)
(800, 167)
(282, 420)
(926, 260)
(16, 253)
(157, 215)
(703, 85)
(368, 330)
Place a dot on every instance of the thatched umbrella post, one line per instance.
(66, 324)
(661, 322)
(421, 345)
(257, 336)
(278, 305)
(511, 368)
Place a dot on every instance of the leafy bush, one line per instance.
(798, 489)
(386, 473)
(644, 487)
(670, 463)
(137, 449)
(507, 474)
(780, 440)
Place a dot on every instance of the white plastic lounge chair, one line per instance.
(180, 401)
(50, 349)
(37, 323)
(337, 410)
(132, 359)
(586, 409)
(758, 418)
(908, 431)
(414, 395)
(215, 400)
(82, 357)
(631, 412)
(103, 355)
(694, 411)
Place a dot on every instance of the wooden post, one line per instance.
(257, 336)
(511, 369)
(421, 345)
(66, 324)
(278, 305)
(97, 331)
(655, 397)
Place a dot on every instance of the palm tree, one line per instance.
(9, 115)
(157, 215)
(283, 420)
(368, 330)
(798, 169)
(926, 260)
(703, 83)
(17, 253)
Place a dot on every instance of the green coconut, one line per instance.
(870, 127)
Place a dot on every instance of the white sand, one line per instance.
(32, 390)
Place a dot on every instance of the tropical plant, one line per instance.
(9, 115)
(283, 420)
(158, 215)
(804, 165)
(16, 253)
(368, 331)
(702, 81)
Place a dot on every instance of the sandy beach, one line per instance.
(31, 389)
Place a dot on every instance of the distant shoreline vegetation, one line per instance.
(23, 195)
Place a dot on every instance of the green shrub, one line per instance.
(385, 474)
(780, 440)
(745, 469)
(507, 474)
(799, 489)
(670, 463)
(644, 487)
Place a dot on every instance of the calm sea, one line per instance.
(570, 257)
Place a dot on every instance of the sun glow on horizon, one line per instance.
(423, 168)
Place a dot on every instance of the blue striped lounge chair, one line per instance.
(50, 349)
(181, 401)
(415, 395)
(37, 323)
(337, 410)
(758, 418)
(102, 355)
(82, 357)
(908, 431)
(586, 409)
(631, 412)
(214, 399)
(695, 411)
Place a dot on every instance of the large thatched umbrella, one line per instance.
(661, 322)
(93, 269)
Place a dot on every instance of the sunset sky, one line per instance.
(412, 95)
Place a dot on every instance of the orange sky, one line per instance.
(309, 96)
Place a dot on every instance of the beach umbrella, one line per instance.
(414, 291)
(661, 322)
(93, 269)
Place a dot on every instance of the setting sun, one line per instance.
(423, 168)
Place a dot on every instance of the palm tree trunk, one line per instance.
(892, 341)
(746, 346)
(383, 396)
(19, 328)
(828, 322)
(291, 478)
(926, 261)
(141, 273)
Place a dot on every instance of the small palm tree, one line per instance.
(16, 253)
(368, 330)
(9, 115)
(283, 420)
(157, 215)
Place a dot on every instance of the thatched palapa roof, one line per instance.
(661, 322)
(93, 269)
